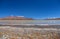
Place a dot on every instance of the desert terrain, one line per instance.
(9, 32)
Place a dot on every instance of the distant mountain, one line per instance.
(16, 18)
(53, 19)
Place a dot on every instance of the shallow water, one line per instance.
(57, 22)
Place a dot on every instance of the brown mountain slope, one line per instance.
(15, 18)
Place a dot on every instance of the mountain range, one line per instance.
(16, 18)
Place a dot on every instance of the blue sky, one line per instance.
(30, 8)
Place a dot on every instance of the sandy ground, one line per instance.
(8, 32)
